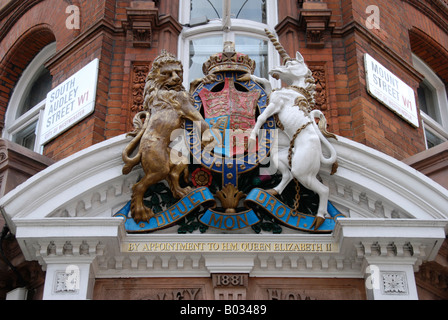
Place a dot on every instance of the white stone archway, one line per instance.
(63, 218)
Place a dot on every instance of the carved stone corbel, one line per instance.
(315, 17)
(144, 21)
(141, 21)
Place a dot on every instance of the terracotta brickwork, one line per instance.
(353, 113)
(106, 32)
(332, 36)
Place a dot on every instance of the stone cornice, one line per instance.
(431, 160)
(142, 20)
(81, 238)
(19, 158)
(355, 243)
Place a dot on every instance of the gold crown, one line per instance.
(229, 60)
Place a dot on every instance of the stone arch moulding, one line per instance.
(430, 51)
(19, 16)
(32, 39)
(17, 58)
(436, 10)
(15, 9)
(391, 209)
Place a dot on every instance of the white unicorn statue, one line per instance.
(299, 155)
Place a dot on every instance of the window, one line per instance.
(28, 102)
(254, 10)
(433, 104)
(209, 23)
(200, 50)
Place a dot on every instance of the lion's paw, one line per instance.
(141, 214)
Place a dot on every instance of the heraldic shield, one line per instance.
(227, 178)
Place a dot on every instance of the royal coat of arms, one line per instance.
(236, 175)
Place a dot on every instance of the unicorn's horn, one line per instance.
(281, 50)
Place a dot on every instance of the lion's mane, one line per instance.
(155, 96)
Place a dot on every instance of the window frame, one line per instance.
(14, 125)
(229, 31)
(439, 129)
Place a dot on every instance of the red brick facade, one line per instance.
(107, 30)
(104, 34)
(126, 36)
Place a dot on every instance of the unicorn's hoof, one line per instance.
(318, 221)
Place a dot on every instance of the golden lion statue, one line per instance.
(166, 106)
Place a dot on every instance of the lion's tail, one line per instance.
(129, 162)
